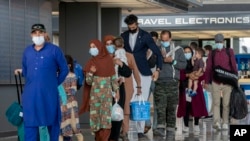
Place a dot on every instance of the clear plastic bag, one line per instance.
(117, 112)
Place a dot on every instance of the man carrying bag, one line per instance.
(221, 62)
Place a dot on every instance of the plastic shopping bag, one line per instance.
(117, 112)
(208, 100)
(139, 109)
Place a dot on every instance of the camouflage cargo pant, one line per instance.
(166, 99)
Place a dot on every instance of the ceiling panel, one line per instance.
(209, 34)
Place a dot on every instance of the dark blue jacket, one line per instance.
(144, 42)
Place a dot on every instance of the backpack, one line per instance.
(79, 74)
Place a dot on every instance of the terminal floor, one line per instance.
(207, 133)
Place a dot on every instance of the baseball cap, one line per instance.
(219, 38)
(40, 27)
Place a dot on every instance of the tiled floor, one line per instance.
(207, 133)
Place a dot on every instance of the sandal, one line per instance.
(146, 129)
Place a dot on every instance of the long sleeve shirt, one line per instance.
(44, 70)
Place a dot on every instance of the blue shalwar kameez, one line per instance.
(43, 70)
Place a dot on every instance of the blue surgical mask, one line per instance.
(111, 49)
(219, 45)
(188, 56)
(93, 51)
(165, 43)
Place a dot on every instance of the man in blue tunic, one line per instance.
(44, 68)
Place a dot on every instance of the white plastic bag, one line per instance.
(117, 112)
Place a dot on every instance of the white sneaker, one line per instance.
(185, 129)
(217, 126)
(225, 126)
(196, 128)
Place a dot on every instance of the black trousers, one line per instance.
(186, 117)
(116, 125)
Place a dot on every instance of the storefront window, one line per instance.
(244, 45)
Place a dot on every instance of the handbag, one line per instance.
(223, 75)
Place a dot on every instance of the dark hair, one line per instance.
(200, 51)
(154, 34)
(208, 47)
(118, 42)
(194, 44)
(70, 61)
(166, 32)
(131, 19)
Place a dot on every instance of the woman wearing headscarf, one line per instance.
(195, 105)
(100, 81)
(109, 41)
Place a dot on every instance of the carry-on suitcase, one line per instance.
(14, 112)
(15, 116)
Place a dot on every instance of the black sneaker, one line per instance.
(141, 136)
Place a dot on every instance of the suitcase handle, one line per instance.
(17, 86)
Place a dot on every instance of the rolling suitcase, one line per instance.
(14, 112)
(15, 116)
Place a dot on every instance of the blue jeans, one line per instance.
(148, 122)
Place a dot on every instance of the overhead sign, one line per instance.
(195, 21)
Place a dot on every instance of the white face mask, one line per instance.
(38, 40)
